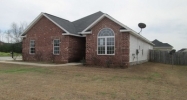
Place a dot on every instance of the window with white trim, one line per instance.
(56, 46)
(105, 42)
(32, 47)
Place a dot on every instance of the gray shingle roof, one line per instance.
(75, 26)
(160, 44)
(67, 25)
(83, 23)
(183, 50)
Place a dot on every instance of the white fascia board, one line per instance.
(142, 38)
(129, 29)
(117, 22)
(124, 30)
(56, 24)
(90, 32)
(162, 47)
(23, 36)
(96, 21)
(73, 35)
(32, 23)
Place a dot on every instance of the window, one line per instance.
(105, 42)
(32, 46)
(56, 46)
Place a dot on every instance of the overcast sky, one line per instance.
(166, 20)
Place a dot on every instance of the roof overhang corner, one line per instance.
(84, 33)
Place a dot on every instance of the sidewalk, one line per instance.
(38, 64)
(10, 58)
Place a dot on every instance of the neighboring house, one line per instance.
(161, 46)
(183, 50)
(98, 38)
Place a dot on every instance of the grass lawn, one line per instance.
(149, 81)
(3, 54)
(7, 54)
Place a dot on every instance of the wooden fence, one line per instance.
(179, 58)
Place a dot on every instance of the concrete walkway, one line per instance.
(38, 64)
(9, 60)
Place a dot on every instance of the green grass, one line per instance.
(25, 70)
(4, 54)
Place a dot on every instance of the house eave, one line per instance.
(37, 19)
(122, 30)
(141, 37)
(23, 36)
(90, 32)
(31, 24)
(73, 34)
(162, 47)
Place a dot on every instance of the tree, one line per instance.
(14, 33)
(8, 35)
(0, 36)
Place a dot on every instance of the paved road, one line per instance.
(9, 58)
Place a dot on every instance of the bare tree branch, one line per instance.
(8, 35)
(16, 31)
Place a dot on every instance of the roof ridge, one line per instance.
(88, 16)
(56, 16)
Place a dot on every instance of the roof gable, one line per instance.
(53, 19)
(83, 23)
(123, 27)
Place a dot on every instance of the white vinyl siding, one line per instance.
(142, 47)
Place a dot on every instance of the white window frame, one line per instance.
(30, 46)
(105, 37)
(56, 46)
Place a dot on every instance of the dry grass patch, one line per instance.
(140, 82)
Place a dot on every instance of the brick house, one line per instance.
(98, 38)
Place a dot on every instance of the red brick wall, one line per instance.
(77, 48)
(121, 45)
(43, 32)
